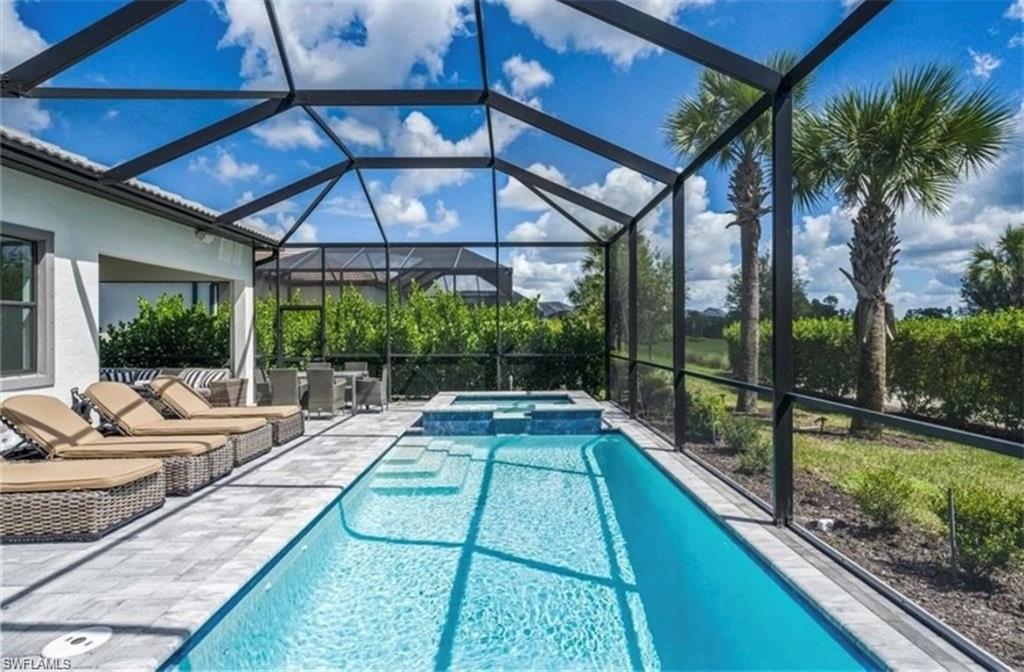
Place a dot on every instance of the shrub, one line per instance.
(756, 457)
(740, 432)
(989, 528)
(704, 416)
(167, 333)
(961, 371)
(883, 496)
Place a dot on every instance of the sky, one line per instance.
(546, 55)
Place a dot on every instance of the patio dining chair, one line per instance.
(372, 391)
(319, 365)
(358, 366)
(285, 389)
(324, 393)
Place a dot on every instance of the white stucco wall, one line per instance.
(85, 227)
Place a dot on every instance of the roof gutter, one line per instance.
(40, 164)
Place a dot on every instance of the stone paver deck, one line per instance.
(157, 580)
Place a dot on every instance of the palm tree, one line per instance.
(694, 123)
(881, 150)
(995, 275)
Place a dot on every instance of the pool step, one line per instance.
(404, 453)
(428, 463)
(448, 481)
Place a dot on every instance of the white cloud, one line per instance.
(18, 42)
(984, 64)
(356, 132)
(226, 169)
(1015, 10)
(549, 274)
(277, 219)
(288, 131)
(334, 43)
(563, 28)
(525, 76)
(397, 209)
(24, 115)
(709, 247)
(1016, 41)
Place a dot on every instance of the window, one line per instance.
(26, 317)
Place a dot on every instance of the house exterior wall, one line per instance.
(85, 227)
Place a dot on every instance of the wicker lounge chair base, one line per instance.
(250, 445)
(185, 475)
(288, 428)
(76, 515)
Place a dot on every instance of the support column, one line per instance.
(782, 307)
(631, 301)
(608, 279)
(678, 314)
(243, 335)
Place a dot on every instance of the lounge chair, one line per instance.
(286, 421)
(190, 462)
(132, 415)
(75, 500)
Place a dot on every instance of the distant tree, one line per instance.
(827, 307)
(939, 313)
(995, 275)
(801, 304)
(694, 124)
(879, 150)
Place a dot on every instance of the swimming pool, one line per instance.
(517, 551)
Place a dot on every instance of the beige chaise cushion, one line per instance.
(139, 448)
(47, 421)
(60, 476)
(190, 404)
(135, 416)
(61, 431)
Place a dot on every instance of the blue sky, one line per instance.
(542, 53)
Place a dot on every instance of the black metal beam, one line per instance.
(857, 19)
(76, 93)
(48, 63)
(326, 128)
(196, 140)
(544, 184)
(580, 138)
(632, 317)
(287, 191)
(306, 213)
(678, 314)
(409, 162)
(390, 97)
(455, 243)
(679, 41)
(279, 41)
(560, 210)
(783, 378)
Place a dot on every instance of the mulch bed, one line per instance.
(912, 560)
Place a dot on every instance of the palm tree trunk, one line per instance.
(873, 251)
(747, 194)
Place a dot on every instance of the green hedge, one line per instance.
(167, 333)
(964, 371)
(442, 323)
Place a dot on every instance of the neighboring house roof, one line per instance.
(553, 308)
(19, 149)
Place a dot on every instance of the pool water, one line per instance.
(518, 551)
(512, 404)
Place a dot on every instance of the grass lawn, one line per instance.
(930, 464)
(701, 349)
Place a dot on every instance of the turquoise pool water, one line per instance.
(513, 404)
(518, 551)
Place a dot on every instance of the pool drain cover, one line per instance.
(78, 642)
